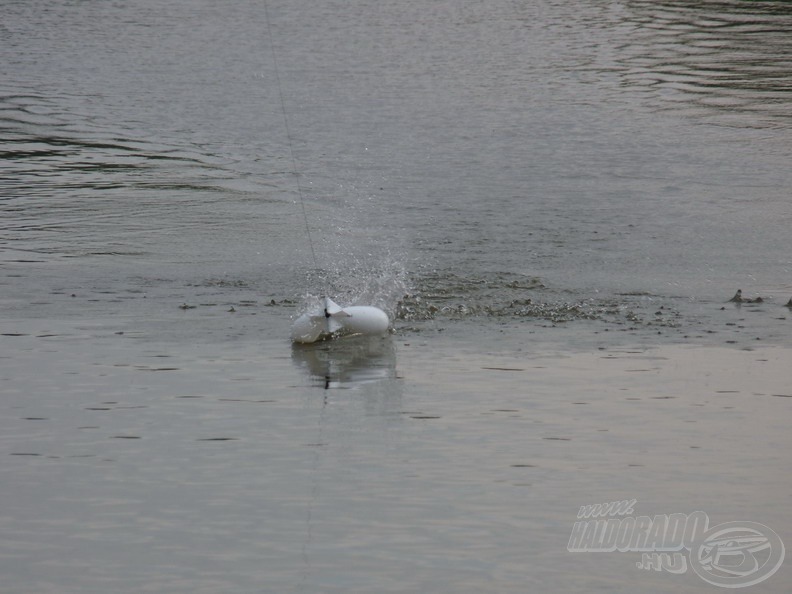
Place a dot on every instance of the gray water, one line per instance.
(501, 177)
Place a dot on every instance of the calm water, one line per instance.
(502, 177)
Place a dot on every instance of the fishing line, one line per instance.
(295, 169)
(306, 546)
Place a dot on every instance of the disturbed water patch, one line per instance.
(508, 295)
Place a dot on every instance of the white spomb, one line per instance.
(334, 320)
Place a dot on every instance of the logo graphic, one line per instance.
(729, 555)
(737, 554)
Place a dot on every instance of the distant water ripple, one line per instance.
(727, 60)
(74, 191)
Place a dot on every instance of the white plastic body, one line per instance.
(334, 321)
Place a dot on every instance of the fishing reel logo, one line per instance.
(737, 554)
(729, 555)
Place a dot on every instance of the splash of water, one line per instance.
(382, 284)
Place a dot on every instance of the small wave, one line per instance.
(714, 58)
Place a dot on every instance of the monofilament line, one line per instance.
(288, 134)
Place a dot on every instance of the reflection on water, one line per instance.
(346, 362)
(722, 58)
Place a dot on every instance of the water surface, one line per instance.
(551, 199)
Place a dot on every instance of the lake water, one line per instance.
(554, 202)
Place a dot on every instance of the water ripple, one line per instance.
(728, 60)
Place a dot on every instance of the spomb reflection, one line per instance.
(344, 363)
